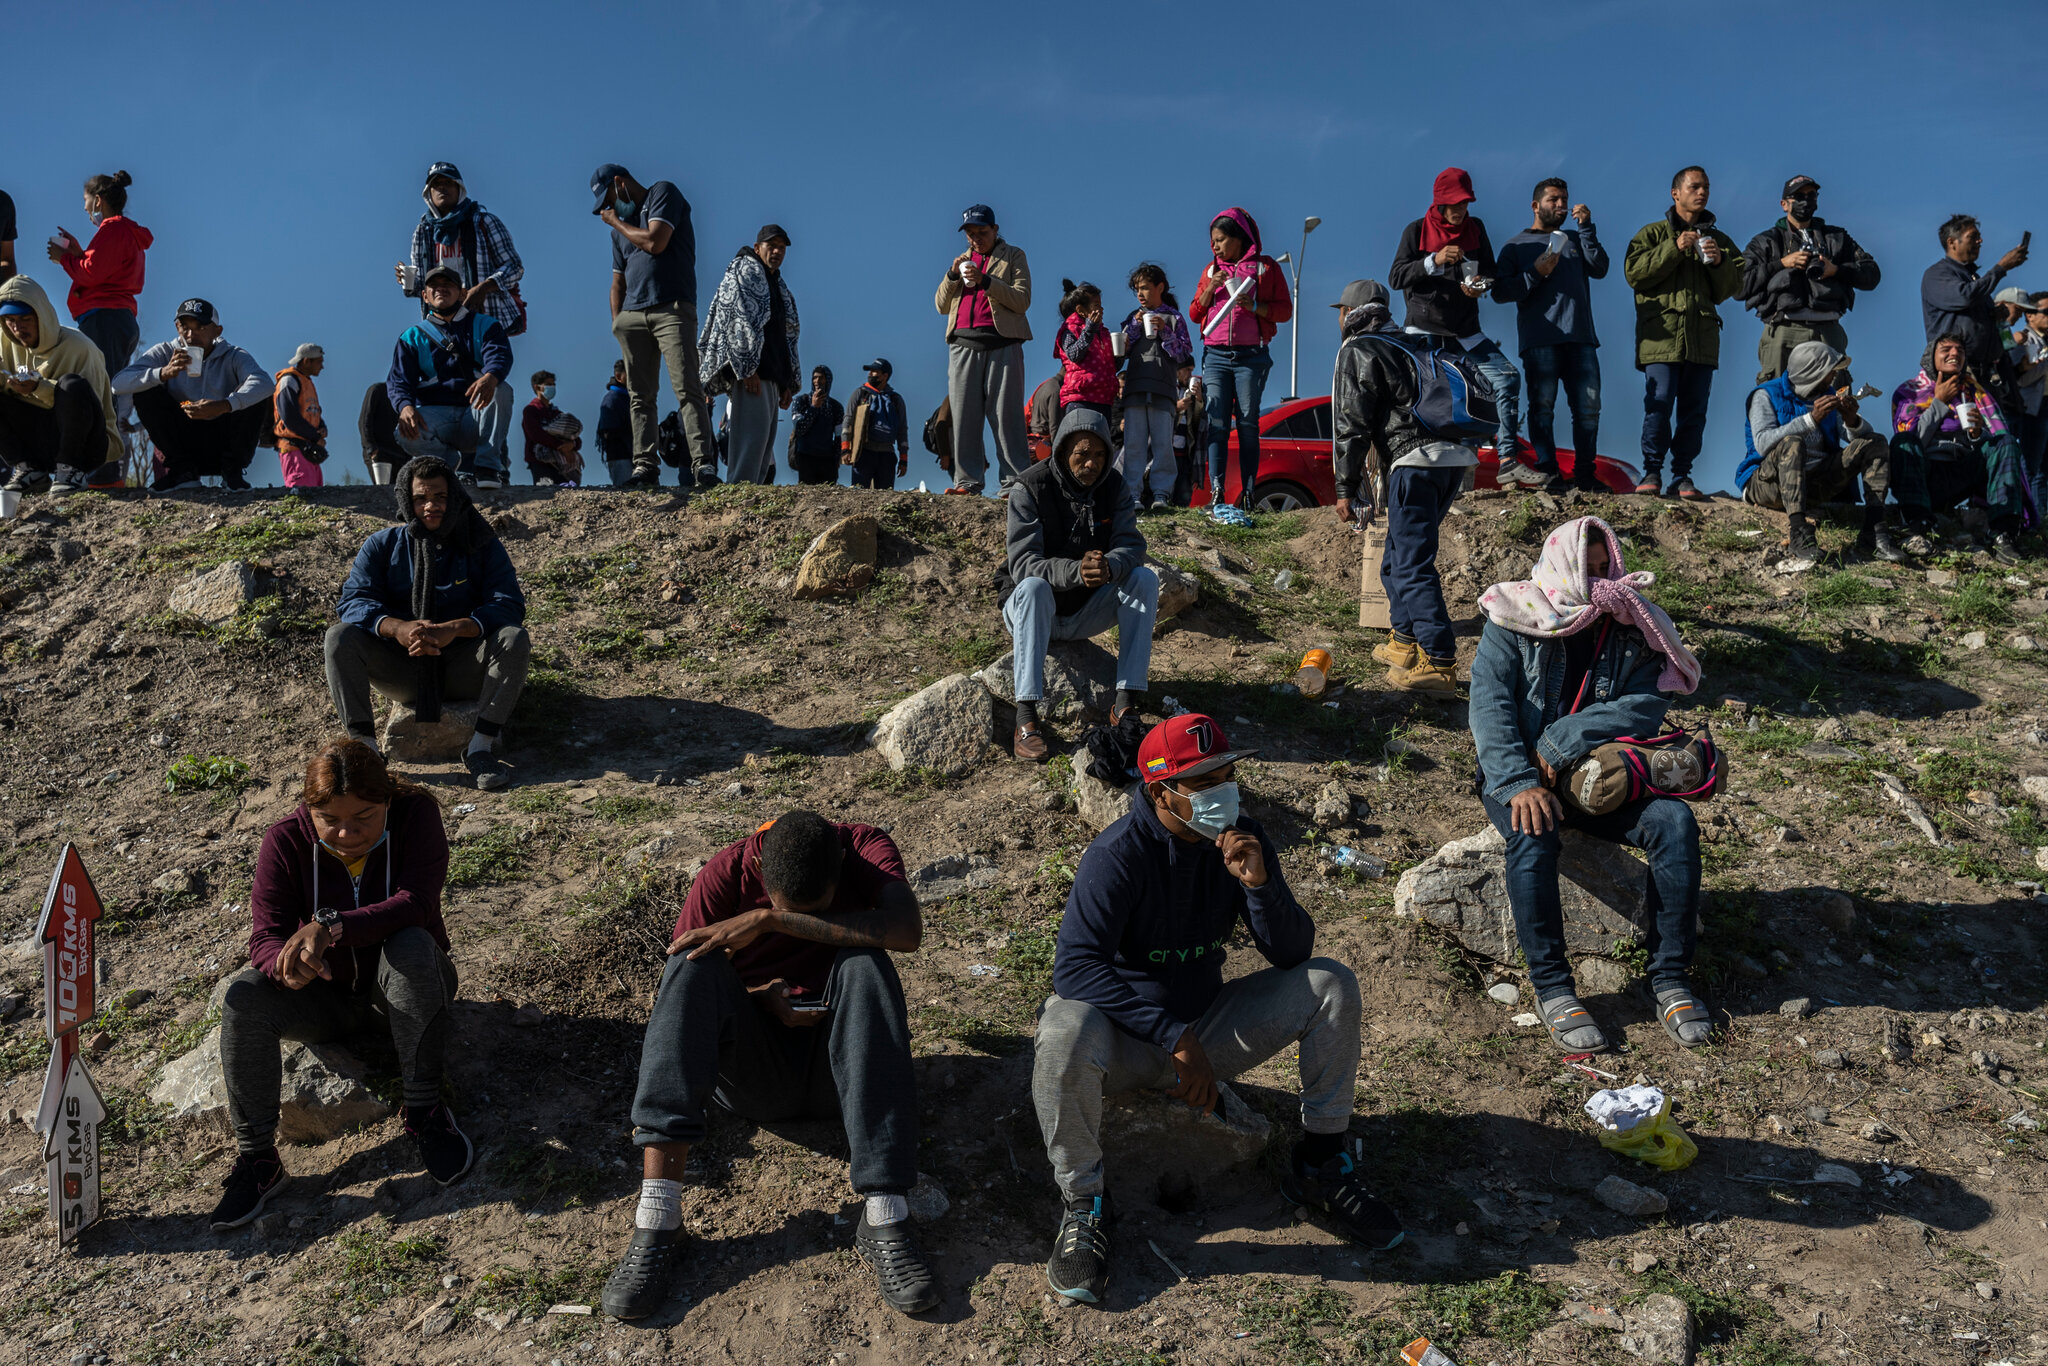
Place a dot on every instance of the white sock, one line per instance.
(480, 743)
(887, 1209)
(661, 1204)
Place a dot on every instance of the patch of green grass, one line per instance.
(133, 1117)
(1734, 1329)
(483, 860)
(1311, 1325)
(913, 521)
(1951, 775)
(182, 1340)
(264, 532)
(23, 1051)
(540, 801)
(324, 1347)
(1126, 1354)
(761, 500)
(1524, 519)
(1981, 600)
(1027, 956)
(1845, 589)
(628, 810)
(911, 784)
(372, 1265)
(532, 1291)
(973, 650)
(214, 773)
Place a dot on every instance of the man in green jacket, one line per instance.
(1681, 267)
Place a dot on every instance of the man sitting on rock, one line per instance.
(1807, 441)
(1139, 1001)
(780, 1002)
(432, 612)
(1073, 568)
(347, 938)
(1570, 659)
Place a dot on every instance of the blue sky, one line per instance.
(278, 153)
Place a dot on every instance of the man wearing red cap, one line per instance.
(1139, 1001)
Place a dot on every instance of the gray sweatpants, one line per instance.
(1080, 1056)
(408, 1000)
(1148, 445)
(490, 668)
(750, 442)
(987, 387)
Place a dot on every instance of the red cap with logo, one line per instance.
(1186, 747)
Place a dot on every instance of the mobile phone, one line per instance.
(809, 1007)
(2025, 238)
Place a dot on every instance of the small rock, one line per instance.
(1838, 913)
(1876, 1132)
(1987, 1061)
(1178, 590)
(1659, 1330)
(175, 882)
(1835, 1174)
(1975, 640)
(840, 562)
(218, 594)
(955, 875)
(2023, 643)
(948, 726)
(1986, 1290)
(1830, 1059)
(1526, 1020)
(1641, 1261)
(1333, 806)
(1834, 730)
(1821, 752)
(450, 1281)
(1818, 1114)
(1898, 1041)
(1599, 1316)
(1507, 993)
(2036, 786)
(408, 739)
(1626, 1197)
(733, 790)
(1098, 803)
(1798, 1008)
(928, 1200)
(1601, 976)
(1941, 578)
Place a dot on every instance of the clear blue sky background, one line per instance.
(278, 152)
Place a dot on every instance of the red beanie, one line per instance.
(1453, 186)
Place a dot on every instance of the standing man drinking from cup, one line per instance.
(1801, 275)
(1681, 268)
(984, 295)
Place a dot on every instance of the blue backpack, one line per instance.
(1453, 400)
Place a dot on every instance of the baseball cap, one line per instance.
(977, 216)
(199, 310)
(771, 232)
(442, 168)
(435, 272)
(1186, 747)
(878, 363)
(1359, 293)
(308, 351)
(2017, 297)
(1798, 182)
(601, 183)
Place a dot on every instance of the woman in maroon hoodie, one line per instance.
(106, 277)
(347, 937)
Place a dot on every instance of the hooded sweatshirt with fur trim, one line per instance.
(58, 352)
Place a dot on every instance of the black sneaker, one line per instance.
(907, 1283)
(26, 480)
(483, 765)
(254, 1179)
(640, 1285)
(1335, 1190)
(1079, 1265)
(2003, 550)
(1877, 543)
(1800, 543)
(235, 482)
(445, 1151)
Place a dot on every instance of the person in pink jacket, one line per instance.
(1088, 363)
(106, 277)
(1239, 304)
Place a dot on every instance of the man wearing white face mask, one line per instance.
(1139, 1001)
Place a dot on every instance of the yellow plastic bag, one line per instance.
(1657, 1140)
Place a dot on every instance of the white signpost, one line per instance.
(71, 1111)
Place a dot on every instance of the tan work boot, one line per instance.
(1436, 677)
(1397, 653)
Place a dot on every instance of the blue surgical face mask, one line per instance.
(547, 391)
(623, 207)
(1212, 810)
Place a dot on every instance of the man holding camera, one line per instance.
(1801, 275)
(1807, 442)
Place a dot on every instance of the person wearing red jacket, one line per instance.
(106, 276)
(1235, 329)
(346, 937)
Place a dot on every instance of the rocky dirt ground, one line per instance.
(681, 695)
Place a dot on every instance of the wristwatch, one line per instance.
(331, 918)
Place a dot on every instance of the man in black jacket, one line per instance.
(1956, 301)
(1374, 397)
(1075, 566)
(1442, 268)
(814, 431)
(1801, 275)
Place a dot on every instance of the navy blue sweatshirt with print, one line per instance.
(1146, 924)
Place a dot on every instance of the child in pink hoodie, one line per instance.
(1088, 364)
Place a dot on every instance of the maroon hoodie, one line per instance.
(400, 887)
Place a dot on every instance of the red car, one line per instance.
(1295, 440)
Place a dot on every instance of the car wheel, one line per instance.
(1281, 495)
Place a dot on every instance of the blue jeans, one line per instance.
(1500, 372)
(1233, 379)
(2032, 429)
(471, 441)
(1418, 499)
(1579, 367)
(1033, 621)
(1664, 829)
(1683, 385)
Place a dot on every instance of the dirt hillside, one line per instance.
(680, 696)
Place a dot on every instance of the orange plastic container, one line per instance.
(1314, 674)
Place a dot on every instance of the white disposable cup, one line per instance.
(969, 276)
(1966, 413)
(381, 471)
(194, 360)
(57, 240)
(1116, 343)
(1557, 242)
(409, 278)
(10, 503)
(1151, 325)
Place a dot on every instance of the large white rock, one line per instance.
(1098, 803)
(411, 740)
(219, 593)
(1178, 590)
(323, 1092)
(840, 562)
(1078, 673)
(1462, 889)
(948, 726)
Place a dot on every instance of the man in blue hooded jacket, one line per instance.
(447, 383)
(432, 613)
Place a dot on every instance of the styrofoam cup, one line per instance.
(10, 503)
(381, 471)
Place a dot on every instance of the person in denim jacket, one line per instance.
(1570, 659)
